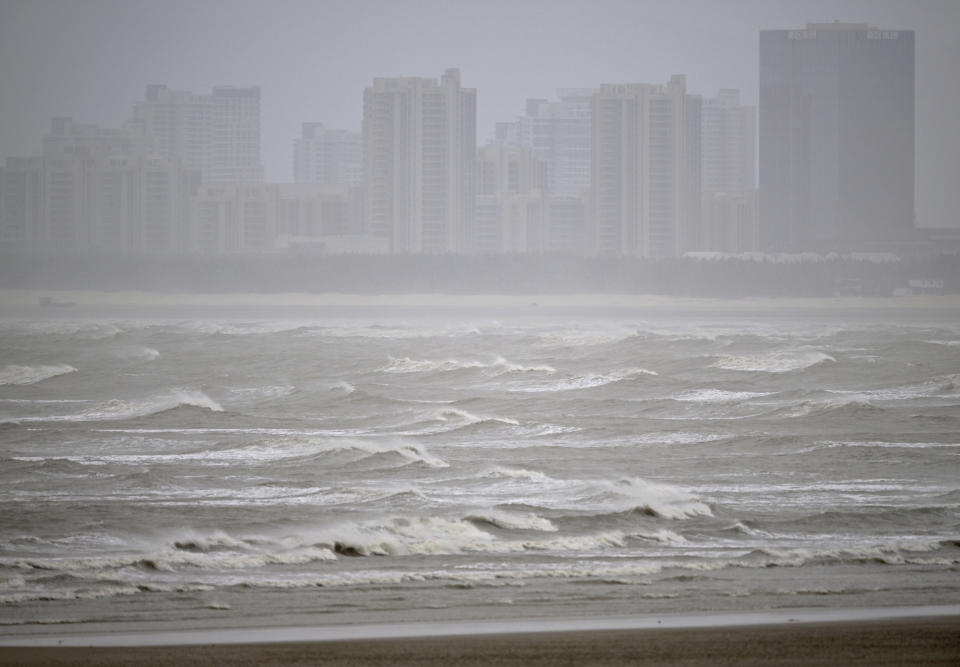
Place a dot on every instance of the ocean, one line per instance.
(218, 465)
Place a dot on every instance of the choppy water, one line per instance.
(210, 466)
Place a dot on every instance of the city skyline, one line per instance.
(321, 79)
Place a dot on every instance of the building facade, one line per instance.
(217, 134)
(559, 134)
(728, 173)
(327, 156)
(93, 188)
(510, 211)
(645, 169)
(836, 136)
(419, 155)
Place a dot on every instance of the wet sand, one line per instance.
(927, 641)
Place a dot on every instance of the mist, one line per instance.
(286, 161)
(527, 332)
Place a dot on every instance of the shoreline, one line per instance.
(928, 640)
(477, 628)
(77, 299)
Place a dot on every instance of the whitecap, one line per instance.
(509, 521)
(718, 395)
(23, 375)
(514, 473)
(587, 381)
(498, 365)
(656, 498)
(774, 362)
(118, 409)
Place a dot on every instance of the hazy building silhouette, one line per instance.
(277, 216)
(328, 156)
(94, 188)
(559, 134)
(419, 143)
(836, 136)
(510, 210)
(728, 172)
(217, 134)
(645, 168)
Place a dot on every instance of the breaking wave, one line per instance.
(22, 375)
(774, 362)
(119, 409)
(652, 498)
(497, 366)
(587, 381)
(510, 521)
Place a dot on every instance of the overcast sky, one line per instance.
(91, 59)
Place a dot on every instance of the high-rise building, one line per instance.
(216, 134)
(728, 172)
(419, 155)
(836, 136)
(510, 196)
(559, 134)
(645, 168)
(95, 189)
(328, 157)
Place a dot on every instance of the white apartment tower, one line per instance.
(419, 147)
(645, 169)
(216, 134)
(327, 156)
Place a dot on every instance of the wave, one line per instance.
(23, 375)
(506, 520)
(264, 452)
(851, 407)
(119, 409)
(136, 353)
(239, 328)
(265, 392)
(880, 444)
(946, 343)
(98, 592)
(66, 329)
(895, 553)
(774, 362)
(587, 381)
(937, 387)
(651, 498)
(579, 338)
(452, 419)
(497, 366)
(408, 453)
(174, 559)
(500, 472)
(405, 536)
(718, 396)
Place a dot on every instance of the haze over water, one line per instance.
(319, 464)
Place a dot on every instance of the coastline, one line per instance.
(148, 636)
(611, 301)
(920, 635)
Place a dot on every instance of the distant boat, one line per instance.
(50, 302)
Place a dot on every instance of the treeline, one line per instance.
(465, 274)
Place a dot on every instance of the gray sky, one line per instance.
(91, 59)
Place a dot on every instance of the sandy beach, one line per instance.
(928, 641)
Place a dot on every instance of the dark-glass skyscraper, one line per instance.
(836, 137)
